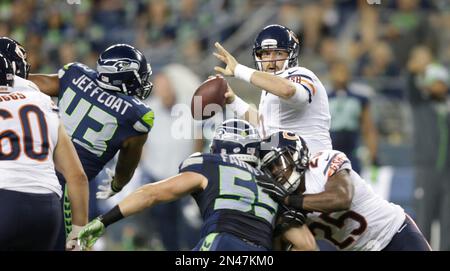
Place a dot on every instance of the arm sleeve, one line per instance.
(336, 163)
(304, 89)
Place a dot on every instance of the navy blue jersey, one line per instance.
(98, 121)
(232, 202)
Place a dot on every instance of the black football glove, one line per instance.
(289, 218)
(275, 190)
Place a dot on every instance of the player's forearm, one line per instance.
(142, 198)
(78, 189)
(123, 175)
(325, 202)
(276, 85)
(47, 83)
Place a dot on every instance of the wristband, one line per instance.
(243, 72)
(112, 216)
(295, 201)
(114, 187)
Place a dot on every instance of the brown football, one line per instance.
(209, 98)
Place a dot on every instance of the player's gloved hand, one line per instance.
(289, 218)
(90, 233)
(275, 190)
(72, 239)
(108, 189)
(293, 217)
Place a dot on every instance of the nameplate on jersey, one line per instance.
(114, 102)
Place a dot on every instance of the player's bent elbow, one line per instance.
(288, 91)
(344, 201)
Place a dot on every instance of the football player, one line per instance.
(104, 113)
(237, 215)
(292, 97)
(33, 143)
(341, 207)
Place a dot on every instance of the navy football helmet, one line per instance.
(124, 69)
(6, 72)
(285, 158)
(237, 138)
(16, 54)
(276, 37)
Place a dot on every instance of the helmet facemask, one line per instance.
(285, 167)
(259, 61)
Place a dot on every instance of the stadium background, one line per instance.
(376, 40)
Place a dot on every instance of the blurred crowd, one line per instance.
(386, 49)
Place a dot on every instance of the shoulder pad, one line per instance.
(193, 159)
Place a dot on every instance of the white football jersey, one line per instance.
(29, 127)
(310, 120)
(371, 221)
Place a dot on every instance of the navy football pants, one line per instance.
(408, 238)
(28, 221)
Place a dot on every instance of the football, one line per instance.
(209, 98)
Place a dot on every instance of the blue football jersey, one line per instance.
(232, 202)
(97, 120)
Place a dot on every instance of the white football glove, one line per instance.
(106, 190)
(72, 239)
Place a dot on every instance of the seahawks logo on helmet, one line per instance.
(125, 64)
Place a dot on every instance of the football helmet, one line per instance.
(285, 158)
(237, 138)
(124, 69)
(276, 37)
(16, 54)
(6, 72)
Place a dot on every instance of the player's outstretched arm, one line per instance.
(274, 84)
(47, 83)
(337, 196)
(144, 197)
(67, 162)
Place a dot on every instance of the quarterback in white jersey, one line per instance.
(338, 204)
(292, 97)
(32, 144)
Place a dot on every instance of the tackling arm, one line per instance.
(163, 191)
(144, 197)
(47, 83)
(337, 196)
